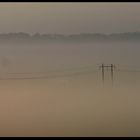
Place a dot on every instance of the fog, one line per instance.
(56, 89)
(69, 18)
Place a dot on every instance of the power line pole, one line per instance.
(112, 72)
(112, 67)
(103, 73)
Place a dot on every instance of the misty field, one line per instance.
(57, 90)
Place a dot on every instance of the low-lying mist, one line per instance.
(57, 89)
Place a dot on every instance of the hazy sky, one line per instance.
(69, 17)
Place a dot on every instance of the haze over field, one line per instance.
(50, 75)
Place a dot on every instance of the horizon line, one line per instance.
(80, 33)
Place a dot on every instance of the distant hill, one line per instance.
(84, 37)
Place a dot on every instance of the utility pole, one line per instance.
(103, 73)
(111, 70)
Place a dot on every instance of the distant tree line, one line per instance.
(83, 37)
